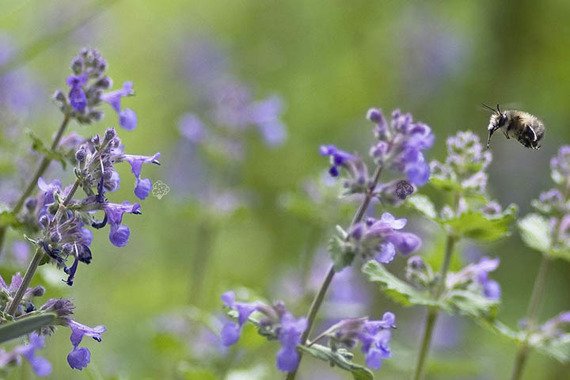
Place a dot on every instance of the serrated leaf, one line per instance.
(422, 204)
(38, 146)
(535, 232)
(473, 304)
(398, 290)
(8, 218)
(337, 359)
(479, 226)
(341, 259)
(445, 184)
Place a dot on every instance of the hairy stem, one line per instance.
(33, 182)
(31, 271)
(432, 311)
(13, 305)
(533, 306)
(320, 296)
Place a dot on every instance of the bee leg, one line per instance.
(506, 134)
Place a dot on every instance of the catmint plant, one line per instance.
(59, 222)
(398, 148)
(470, 214)
(547, 230)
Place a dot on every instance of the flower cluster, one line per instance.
(374, 337)
(465, 164)
(87, 90)
(274, 322)
(381, 238)
(475, 277)
(399, 146)
(64, 220)
(78, 358)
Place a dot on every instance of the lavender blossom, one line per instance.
(374, 337)
(400, 145)
(275, 322)
(382, 238)
(87, 86)
(80, 357)
(475, 277)
(41, 366)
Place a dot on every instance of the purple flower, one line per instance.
(374, 337)
(381, 238)
(119, 233)
(553, 328)
(40, 365)
(476, 277)
(142, 186)
(231, 331)
(290, 336)
(127, 117)
(192, 128)
(80, 357)
(77, 97)
(560, 166)
(358, 180)
(400, 144)
(265, 115)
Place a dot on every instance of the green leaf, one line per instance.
(339, 358)
(400, 291)
(535, 232)
(20, 327)
(38, 146)
(445, 184)
(8, 218)
(473, 304)
(422, 204)
(479, 226)
(340, 257)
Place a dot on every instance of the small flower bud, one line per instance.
(59, 96)
(77, 65)
(31, 203)
(110, 134)
(104, 83)
(80, 155)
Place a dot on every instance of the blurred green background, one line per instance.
(329, 62)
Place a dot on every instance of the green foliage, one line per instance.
(39, 146)
(340, 358)
(473, 224)
(536, 233)
(398, 290)
(9, 219)
(14, 329)
(462, 301)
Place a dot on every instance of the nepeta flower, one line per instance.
(87, 87)
(142, 186)
(560, 166)
(80, 357)
(553, 328)
(476, 278)
(41, 366)
(7, 292)
(382, 238)
(400, 144)
(357, 170)
(275, 322)
(127, 117)
(374, 337)
(465, 163)
(231, 331)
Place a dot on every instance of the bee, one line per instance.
(526, 128)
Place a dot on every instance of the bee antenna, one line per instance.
(489, 107)
(498, 109)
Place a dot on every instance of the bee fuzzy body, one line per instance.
(526, 128)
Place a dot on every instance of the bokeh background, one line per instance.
(255, 219)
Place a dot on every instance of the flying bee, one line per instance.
(526, 128)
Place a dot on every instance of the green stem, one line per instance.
(433, 311)
(31, 271)
(533, 306)
(34, 181)
(13, 305)
(320, 296)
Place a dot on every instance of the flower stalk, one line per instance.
(533, 306)
(320, 296)
(39, 172)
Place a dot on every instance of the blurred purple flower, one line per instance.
(40, 365)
